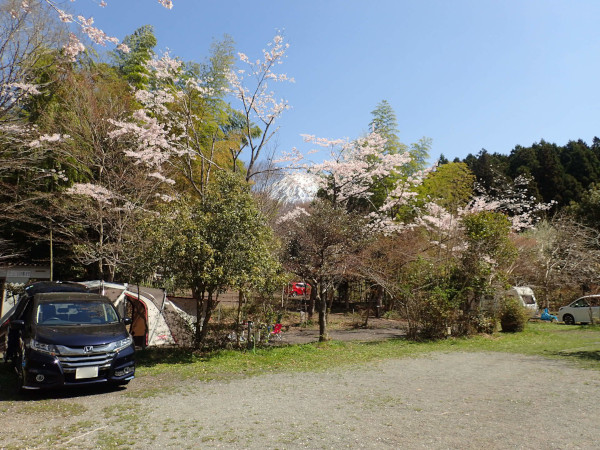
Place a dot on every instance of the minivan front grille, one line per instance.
(72, 360)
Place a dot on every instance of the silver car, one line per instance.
(583, 310)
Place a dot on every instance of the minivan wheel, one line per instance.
(568, 319)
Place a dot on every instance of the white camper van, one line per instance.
(524, 294)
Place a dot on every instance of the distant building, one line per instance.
(18, 274)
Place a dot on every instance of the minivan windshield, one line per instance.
(75, 313)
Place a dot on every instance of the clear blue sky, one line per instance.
(470, 74)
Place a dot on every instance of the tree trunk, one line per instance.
(210, 305)
(200, 309)
(322, 301)
(368, 301)
(239, 317)
(312, 300)
(111, 273)
(344, 291)
(378, 303)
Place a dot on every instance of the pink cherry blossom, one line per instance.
(355, 166)
(47, 138)
(94, 191)
(293, 215)
(25, 88)
(72, 49)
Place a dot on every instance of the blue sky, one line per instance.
(469, 74)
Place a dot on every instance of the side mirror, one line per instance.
(127, 320)
(17, 324)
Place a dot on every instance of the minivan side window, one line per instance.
(581, 303)
(594, 301)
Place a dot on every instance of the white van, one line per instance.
(523, 294)
(583, 310)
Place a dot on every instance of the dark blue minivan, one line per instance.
(61, 335)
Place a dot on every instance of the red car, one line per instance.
(295, 289)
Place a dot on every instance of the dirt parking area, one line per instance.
(297, 335)
(343, 328)
(443, 400)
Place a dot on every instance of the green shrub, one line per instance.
(513, 316)
(469, 324)
(437, 310)
(486, 324)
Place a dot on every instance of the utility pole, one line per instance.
(51, 258)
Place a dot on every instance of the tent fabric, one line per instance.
(152, 327)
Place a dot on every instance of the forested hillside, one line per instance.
(562, 174)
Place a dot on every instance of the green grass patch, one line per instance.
(580, 344)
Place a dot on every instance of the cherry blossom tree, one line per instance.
(84, 24)
(323, 241)
(319, 244)
(360, 175)
(468, 244)
(453, 201)
(354, 167)
(94, 211)
(174, 126)
(175, 132)
(29, 33)
(28, 41)
(260, 108)
(28, 38)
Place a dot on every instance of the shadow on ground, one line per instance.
(584, 355)
(9, 392)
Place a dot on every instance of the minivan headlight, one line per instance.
(42, 347)
(117, 346)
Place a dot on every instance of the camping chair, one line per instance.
(276, 332)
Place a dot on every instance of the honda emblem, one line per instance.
(88, 349)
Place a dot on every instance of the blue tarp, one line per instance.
(547, 316)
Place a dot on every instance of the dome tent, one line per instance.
(146, 306)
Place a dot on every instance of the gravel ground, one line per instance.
(443, 400)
